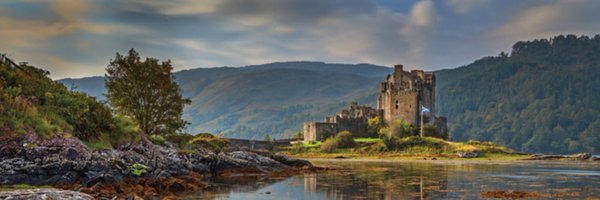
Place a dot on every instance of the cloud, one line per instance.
(425, 33)
(464, 6)
(423, 14)
(420, 27)
(547, 20)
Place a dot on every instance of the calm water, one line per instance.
(419, 180)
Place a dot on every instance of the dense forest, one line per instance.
(543, 97)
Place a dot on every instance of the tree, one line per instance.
(147, 92)
(267, 137)
(298, 135)
(401, 129)
(374, 125)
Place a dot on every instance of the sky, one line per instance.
(77, 38)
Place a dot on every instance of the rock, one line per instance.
(254, 160)
(44, 194)
(579, 156)
(582, 156)
(68, 164)
(467, 154)
(293, 162)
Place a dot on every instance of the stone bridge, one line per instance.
(259, 144)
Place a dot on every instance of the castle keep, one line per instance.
(401, 96)
(404, 93)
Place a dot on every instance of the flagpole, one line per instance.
(421, 132)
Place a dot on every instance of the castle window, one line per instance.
(397, 104)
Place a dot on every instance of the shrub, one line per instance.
(157, 139)
(401, 129)
(208, 141)
(345, 139)
(125, 131)
(181, 140)
(329, 145)
(298, 136)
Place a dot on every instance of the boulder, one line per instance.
(293, 162)
(467, 154)
(582, 156)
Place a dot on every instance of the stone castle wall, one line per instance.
(355, 119)
(313, 131)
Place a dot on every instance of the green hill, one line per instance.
(31, 103)
(543, 97)
(274, 99)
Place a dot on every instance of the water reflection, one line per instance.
(417, 180)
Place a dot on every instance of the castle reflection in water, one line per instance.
(404, 182)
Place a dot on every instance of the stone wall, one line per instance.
(313, 131)
(355, 119)
(357, 126)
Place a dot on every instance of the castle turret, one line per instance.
(398, 69)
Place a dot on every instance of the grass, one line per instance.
(406, 148)
(366, 140)
(312, 144)
(4, 188)
(100, 144)
(209, 141)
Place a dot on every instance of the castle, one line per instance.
(402, 96)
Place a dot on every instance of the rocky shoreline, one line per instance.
(66, 163)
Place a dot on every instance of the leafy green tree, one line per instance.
(267, 137)
(374, 125)
(298, 136)
(146, 91)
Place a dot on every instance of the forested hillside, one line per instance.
(274, 99)
(543, 97)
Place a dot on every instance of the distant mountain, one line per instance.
(93, 86)
(273, 99)
(543, 97)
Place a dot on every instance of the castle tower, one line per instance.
(403, 93)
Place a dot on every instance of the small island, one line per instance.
(403, 126)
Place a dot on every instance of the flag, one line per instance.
(424, 109)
